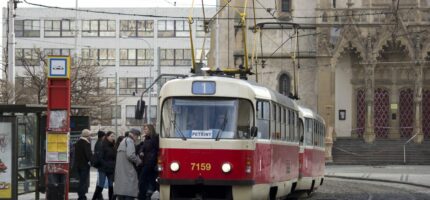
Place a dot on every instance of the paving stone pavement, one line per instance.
(418, 175)
(74, 196)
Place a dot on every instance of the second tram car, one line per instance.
(225, 138)
(312, 152)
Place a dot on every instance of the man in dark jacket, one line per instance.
(97, 162)
(82, 162)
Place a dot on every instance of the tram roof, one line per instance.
(308, 113)
(244, 89)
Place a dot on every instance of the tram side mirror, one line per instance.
(140, 109)
(254, 131)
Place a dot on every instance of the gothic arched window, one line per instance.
(285, 84)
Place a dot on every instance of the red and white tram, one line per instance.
(225, 138)
(312, 152)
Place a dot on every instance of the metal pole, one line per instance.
(11, 50)
(148, 114)
(217, 40)
(76, 34)
(116, 101)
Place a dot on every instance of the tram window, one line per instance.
(291, 125)
(273, 120)
(319, 134)
(322, 135)
(278, 122)
(207, 118)
(263, 119)
(308, 132)
(296, 132)
(315, 134)
(283, 136)
(245, 119)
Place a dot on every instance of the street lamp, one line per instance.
(150, 76)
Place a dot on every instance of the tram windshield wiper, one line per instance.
(218, 135)
(179, 130)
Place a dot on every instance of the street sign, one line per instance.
(59, 67)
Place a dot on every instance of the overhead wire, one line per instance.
(184, 17)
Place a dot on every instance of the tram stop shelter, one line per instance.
(22, 147)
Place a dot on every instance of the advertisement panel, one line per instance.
(6, 160)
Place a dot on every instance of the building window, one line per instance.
(27, 57)
(166, 28)
(107, 85)
(136, 28)
(59, 28)
(286, 5)
(183, 57)
(182, 28)
(27, 28)
(102, 57)
(175, 57)
(57, 52)
(109, 117)
(128, 86)
(285, 84)
(136, 57)
(98, 28)
(173, 28)
(334, 3)
(129, 116)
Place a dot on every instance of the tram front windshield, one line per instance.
(210, 118)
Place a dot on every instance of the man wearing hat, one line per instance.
(126, 180)
(82, 162)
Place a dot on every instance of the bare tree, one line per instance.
(84, 82)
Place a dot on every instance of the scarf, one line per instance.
(83, 138)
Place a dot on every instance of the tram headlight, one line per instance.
(248, 169)
(248, 165)
(174, 166)
(226, 167)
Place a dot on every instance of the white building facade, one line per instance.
(133, 48)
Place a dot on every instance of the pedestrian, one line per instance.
(126, 180)
(148, 153)
(97, 162)
(83, 157)
(118, 141)
(108, 157)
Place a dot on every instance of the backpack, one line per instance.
(97, 157)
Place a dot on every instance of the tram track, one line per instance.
(378, 180)
(354, 189)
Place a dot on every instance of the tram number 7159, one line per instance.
(201, 166)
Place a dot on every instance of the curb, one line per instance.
(378, 180)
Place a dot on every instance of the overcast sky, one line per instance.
(108, 3)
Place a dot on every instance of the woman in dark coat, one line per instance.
(148, 152)
(108, 160)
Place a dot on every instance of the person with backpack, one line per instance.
(108, 156)
(97, 163)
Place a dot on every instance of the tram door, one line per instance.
(77, 124)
